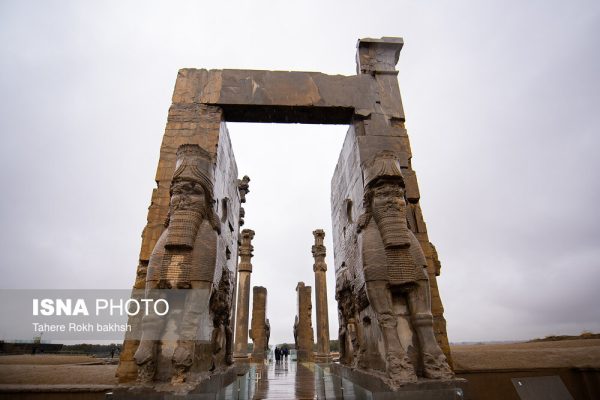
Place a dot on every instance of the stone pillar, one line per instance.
(320, 268)
(258, 333)
(303, 331)
(243, 300)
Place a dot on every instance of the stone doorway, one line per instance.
(291, 185)
(369, 103)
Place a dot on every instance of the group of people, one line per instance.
(281, 354)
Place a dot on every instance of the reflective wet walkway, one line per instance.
(292, 380)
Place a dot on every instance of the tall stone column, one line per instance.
(243, 300)
(320, 268)
(303, 331)
(258, 333)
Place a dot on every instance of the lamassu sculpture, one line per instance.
(184, 258)
(395, 272)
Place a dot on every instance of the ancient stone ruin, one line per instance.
(303, 330)
(260, 324)
(243, 300)
(394, 289)
(391, 316)
(319, 268)
(185, 257)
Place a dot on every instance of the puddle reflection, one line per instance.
(292, 380)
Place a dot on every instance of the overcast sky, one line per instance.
(502, 106)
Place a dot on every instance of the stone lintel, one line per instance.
(280, 96)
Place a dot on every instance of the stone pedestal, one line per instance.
(205, 387)
(243, 301)
(259, 330)
(303, 331)
(424, 389)
(320, 268)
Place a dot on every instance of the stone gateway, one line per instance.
(391, 316)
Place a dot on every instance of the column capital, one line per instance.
(319, 251)
(246, 250)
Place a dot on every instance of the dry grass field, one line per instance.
(54, 369)
(548, 354)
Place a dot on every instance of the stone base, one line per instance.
(424, 389)
(203, 387)
(323, 358)
(241, 358)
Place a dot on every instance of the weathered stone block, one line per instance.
(258, 333)
(412, 187)
(303, 331)
(370, 145)
(378, 55)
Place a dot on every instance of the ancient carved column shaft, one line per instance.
(320, 268)
(243, 301)
(303, 331)
(258, 333)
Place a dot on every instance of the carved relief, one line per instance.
(318, 251)
(349, 345)
(220, 306)
(394, 269)
(246, 250)
(267, 334)
(184, 258)
(244, 188)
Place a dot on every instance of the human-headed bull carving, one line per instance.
(394, 269)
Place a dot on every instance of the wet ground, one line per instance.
(292, 380)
